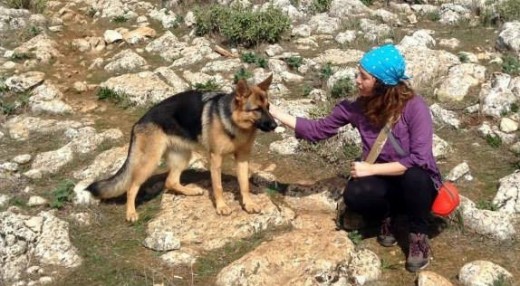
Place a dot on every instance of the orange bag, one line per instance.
(447, 200)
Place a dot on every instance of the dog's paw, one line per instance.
(132, 217)
(194, 190)
(251, 207)
(223, 209)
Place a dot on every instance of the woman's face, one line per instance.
(365, 82)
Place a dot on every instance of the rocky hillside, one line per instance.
(75, 75)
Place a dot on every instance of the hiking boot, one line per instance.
(418, 252)
(386, 238)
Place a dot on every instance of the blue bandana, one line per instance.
(385, 63)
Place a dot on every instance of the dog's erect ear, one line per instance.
(242, 89)
(264, 85)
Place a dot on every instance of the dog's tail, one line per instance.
(117, 184)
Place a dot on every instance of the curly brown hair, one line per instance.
(388, 102)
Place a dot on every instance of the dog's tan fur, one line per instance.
(150, 143)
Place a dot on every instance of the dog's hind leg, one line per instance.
(178, 160)
(149, 149)
(242, 165)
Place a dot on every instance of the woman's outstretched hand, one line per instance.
(282, 116)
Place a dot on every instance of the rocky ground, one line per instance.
(75, 75)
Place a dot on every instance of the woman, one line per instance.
(404, 178)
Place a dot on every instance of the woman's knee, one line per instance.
(364, 189)
(416, 174)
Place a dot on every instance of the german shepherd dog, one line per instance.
(221, 123)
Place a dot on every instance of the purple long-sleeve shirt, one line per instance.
(413, 131)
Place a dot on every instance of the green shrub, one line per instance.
(493, 140)
(486, 205)
(241, 74)
(252, 58)
(119, 98)
(12, 104)
(367, 2)
(351, 151)
(7, 108)
(20, 56)
(37, 6)
(433, 16)
(62, 194)
(210, 85)
(509, 10)
(326, 71)
(3, 86)
(320, 6)
(342, 88)
(385, 265)
(306, 90)
(242, 26)
(119, 19)
(356, 237)
(463, 58)
(294, 62)
(511, 65)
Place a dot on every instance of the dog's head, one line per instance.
(252, 106)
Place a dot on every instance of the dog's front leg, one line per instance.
(242, 165)
(216, 181)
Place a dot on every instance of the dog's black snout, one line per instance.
(267, 125)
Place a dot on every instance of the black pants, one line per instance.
(377, 197)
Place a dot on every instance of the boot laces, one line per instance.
(386, 227)
(419, 246)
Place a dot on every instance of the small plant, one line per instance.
(37, 6)
(367, 2)
(20, 56)
(458, 221)
(356, 237)
(117, 97)
(486, 205)
(433, 16)
(306, 90)
(385, 265)
(62, 194)
(33, 31)
(16, 201)
(91, 12)
(210, 85)
(7, 108)
(511, 65)
(326, 71)
(120, 19)
(342, 88)
(463, 58)
(241, 74)
(252, 58)
(3, 86)
(11, 107)
(501, 280)
(320, 110)
(509, 10)
(493, 140)
(320, 6)
(351, 151)
(294, 62)
(513, 107)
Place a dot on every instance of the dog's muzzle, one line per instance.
(266, 123)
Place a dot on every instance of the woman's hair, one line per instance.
(387, 102)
